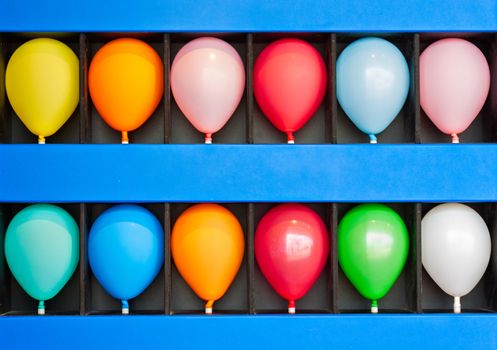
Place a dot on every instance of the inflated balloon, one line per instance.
(454, 82)
(42, 250)
(373, 245)
(289, 83)
(455, 248)
(207, 245)
(42, 84)
(126, 83)
(207, 82)
(372, 84)
(126, 251)
(291, 248)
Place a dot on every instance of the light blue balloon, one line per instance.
(126, 250)
(372, 83)
(42, 249)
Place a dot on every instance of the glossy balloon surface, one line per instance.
(42, 84)
(126, 83)
(455, 247)
(126, 250)
(289, 83)
(373, 244)
(207, 245)
(454, 79)
(207, 82)
(372, 83)
(291, 248)
(42, 249)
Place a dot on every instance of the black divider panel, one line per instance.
(482, 128)
(480, 299)
(184, 300)
(402, 295)
(401, 130)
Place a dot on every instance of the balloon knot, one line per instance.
(457, 305)
(372, 138)
(41, 140)
(290, 137)
(208, 307)
(208, 138)
(125, 138)
(455, 138)
(374, 306)
(124, 307)
(291, 307)
(41, 308)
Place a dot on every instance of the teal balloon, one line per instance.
(372, 83)
(42, 249)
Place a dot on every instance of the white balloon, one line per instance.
(455, 248)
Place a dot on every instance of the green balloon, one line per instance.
(373, 245)
(42, 249)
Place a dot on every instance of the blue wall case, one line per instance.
(249, 169)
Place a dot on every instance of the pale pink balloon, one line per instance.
(454, 84)
(207, 82)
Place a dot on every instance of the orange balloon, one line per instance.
(207, 245)
(126, 82)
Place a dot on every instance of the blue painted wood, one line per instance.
(469, 331)
(248, 15)
(248, 173)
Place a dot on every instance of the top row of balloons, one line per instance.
(126, 84)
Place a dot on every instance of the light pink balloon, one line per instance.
(207, 81)
(454, 84)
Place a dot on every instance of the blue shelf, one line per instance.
(248, 173)
(248, 16)
(436, 331)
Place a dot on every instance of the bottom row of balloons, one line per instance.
(126, 250)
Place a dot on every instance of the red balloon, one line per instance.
(289, 83)
(291, 249)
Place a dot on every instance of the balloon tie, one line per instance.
(208, 138)
(41, 140)
(372, 138)
(291, 307)
(208, 307)
(124, 307)
(41, 307)
(455, 138)
(457, 305)
(290, 137)
(374, 306)
(125, 138)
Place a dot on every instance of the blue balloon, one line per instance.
(126, 250)
(372, 84)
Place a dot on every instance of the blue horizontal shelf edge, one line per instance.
(248, 173)
(436, 331)
(248, 16)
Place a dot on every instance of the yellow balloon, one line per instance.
(42, 83)
(207, 246)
